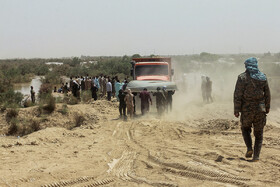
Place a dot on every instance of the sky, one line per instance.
(66, 28)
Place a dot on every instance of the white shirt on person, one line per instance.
(109, 87)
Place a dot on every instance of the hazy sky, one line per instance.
(64, 28)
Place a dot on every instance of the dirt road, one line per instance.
(198, 146)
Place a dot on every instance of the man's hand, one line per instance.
(236, 114)
(267, 110)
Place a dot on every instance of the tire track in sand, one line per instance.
(80, 180)
(192, 171)
(123, 166)
(199, 173)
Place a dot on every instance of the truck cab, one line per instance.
(151, 69)
(151, 73)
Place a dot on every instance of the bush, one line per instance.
(52, 77)
(49, 105)
(45, 90)
(28, 103)
(3, 108)
(86, 96)
(10, 98)
(20, 129)
(34, 126)
(11, 114)
(38, 111)
(58, 99)
(13, 128)
(70, 100)
(63, 110)
(78, 119)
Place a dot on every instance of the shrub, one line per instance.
(2, 108)
(11, 114)
(34, 126)
(14, 127)
(10, 98)
(63, 110)
(38, 111)
(70, 100)
(78, 119)
(49, 105)
(58, 99)
(86, 96)
(52, 77)
(45, 90)
(25, 127)
(28, 103)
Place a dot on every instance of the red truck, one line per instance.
(151, 73)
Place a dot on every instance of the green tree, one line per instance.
(136, 56)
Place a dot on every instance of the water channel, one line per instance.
(24, 88)
(36, 82)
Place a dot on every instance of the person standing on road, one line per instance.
(160, 101)
(208, 90)
(105, 81)
(101, 79)
(96, 82)
(169, 99)
(134, 102)
(94, 91)
(145, 101)
(129, 103)
(32, 92)
(124, 85)
(117, 88)
(83, 84)
(203, 87)
(113, 87)
(76, 89)
(88, 83)
(252, 100)
(109, 90)
(71, 83)
(122, 105)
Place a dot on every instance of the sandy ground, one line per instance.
(195, 145)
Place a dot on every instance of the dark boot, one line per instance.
(246, 133)
(258, 145)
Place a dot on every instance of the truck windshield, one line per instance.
(142, 70)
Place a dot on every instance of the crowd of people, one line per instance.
(127, 101)
(100, 86)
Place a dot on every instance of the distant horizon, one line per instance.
(69, 57)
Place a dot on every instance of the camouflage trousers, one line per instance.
(256, 119)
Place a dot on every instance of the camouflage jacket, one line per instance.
(160, 98)
(250, 93)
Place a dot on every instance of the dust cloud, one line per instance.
(188, 101)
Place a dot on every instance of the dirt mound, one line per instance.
(219, 124)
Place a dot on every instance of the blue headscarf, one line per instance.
(251, 65)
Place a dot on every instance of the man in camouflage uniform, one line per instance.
(160, 101)
(252, 99)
